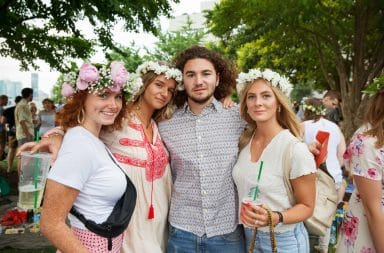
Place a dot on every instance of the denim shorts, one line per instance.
(293, 241)
(181, 241)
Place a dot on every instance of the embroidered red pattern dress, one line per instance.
(147, 165)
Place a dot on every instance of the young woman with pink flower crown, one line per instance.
(141, 152)
(79, 179)
(363, 226)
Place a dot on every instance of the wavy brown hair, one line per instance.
(375, 117)
(225, 70)
(68, 116)
(285, 117)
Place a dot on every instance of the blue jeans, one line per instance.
(181, 241)
(293, 241)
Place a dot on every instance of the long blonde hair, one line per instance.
(375, 117)
(285, 115)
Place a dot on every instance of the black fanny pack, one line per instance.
(119, 218)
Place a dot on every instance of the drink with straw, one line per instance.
(255, 198)
(33, 175)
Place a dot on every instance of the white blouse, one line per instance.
(272, 191)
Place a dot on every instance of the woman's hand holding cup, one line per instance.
(253, 213)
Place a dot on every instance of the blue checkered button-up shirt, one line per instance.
(203, 150)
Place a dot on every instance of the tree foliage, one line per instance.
(129, 55)
(51, 30)
(172, 42)
(336, 44)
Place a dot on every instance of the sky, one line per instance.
(9, 68)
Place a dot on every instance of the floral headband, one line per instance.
(376, 86)
(318, 110)
(135, 81)
(278, 81)
(95, 79)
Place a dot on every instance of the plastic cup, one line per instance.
(248, 200)
(33, 174)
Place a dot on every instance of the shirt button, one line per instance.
(201, 155)
(199, 138)
(205, 210)
(204, 193)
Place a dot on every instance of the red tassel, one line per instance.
(151, 213)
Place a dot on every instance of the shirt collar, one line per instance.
(215, 105)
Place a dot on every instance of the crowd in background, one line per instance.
(22, 122)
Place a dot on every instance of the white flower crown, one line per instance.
(135, 82)
(316, 110)
(276, 80)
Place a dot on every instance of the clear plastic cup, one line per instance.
(33, 174)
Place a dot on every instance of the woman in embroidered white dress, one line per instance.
(363, 226)
(272, 128)
(140, 150)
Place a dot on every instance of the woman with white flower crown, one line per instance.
(315, 121)
(271, 222)
(141, 152)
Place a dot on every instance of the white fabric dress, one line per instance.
(147, 165)
(363, 159)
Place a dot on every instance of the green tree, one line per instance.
(171, 43)
(51, 30)
(335, 44)
(129, 55)
(56, 90)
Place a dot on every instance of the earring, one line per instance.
(279, 109)
(80, 117)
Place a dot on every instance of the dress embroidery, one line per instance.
(157, 156)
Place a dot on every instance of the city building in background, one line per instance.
(198, 20)
(13, 89)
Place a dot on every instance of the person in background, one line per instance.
(3, 134)
(23, 118)
(35, 117)
(47, 116)
(331, 101)
(260, 167)
(314, 122)
(202, 138)
(363, 225)
(85, 175)
(8, 118)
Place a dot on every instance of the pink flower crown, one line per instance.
(95, 79)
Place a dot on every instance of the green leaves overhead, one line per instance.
(53, 30)
(330, 44)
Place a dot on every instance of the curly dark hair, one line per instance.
(223, 68)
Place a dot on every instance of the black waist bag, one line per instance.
(119, 218)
